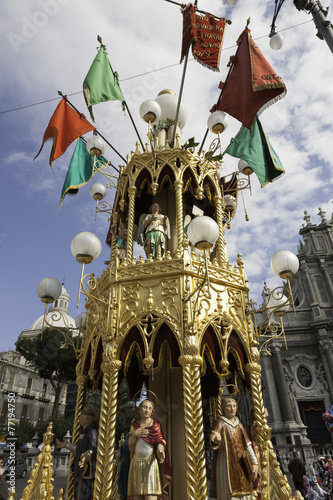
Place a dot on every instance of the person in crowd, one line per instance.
(297, 470)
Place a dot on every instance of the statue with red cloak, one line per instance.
(144, 468)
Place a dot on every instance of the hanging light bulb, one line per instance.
(95, 146)
(279, 303)
(217, 122)
(80, 320)
(86, 247)
(231, 3)
(203, 232)
(150, 111)
(97, 191)
(285, 264)
(244, 167)
(276, 41)
(229, 202)
(49, 289)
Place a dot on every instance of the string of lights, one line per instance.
(140, 74)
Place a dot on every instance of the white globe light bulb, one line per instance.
(86, 247)
(276, 41)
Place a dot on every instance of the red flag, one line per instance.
(65, 126)
(252, 84)
(205, 34)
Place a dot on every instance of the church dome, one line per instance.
(56, 316)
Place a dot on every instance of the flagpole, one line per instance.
(180, 97)
(107, 142)
(198, 10)
(184, 71)
(136, 130)
(230, 69)
(99, 39)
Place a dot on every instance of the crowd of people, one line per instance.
(315, 483)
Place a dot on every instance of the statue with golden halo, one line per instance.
(235, 465)
(147, 475)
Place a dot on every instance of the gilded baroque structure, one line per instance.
(159, 322)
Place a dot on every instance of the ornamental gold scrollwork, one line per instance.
(235, 308)
(108, 351)
(81, 379)
(170, 309)
(111, 366)
(170, 287)
(149, 324)
(131, 292)
(188, 359)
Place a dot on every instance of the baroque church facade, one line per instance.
(298, 376)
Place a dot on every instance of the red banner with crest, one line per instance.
(205, 33)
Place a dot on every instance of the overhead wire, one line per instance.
(140, 74)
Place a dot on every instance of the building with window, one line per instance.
(298, 379)
(34, 397)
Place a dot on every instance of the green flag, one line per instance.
(81, 169)
(254, 147)
(101, 84)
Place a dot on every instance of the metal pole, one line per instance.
(229, 72)
(324, 27)
(107, 142)
(180, 98)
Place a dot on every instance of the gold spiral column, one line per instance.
(113, 243)
(215, 407)
(107, 430)
(196, 480)
(261, 431)
(221, 240)
(178, 185)
(130, 225)
(81, 395)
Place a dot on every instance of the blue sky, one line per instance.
(49, 45)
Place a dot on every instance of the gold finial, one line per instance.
(167, 91)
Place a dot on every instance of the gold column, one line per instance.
(81, 395)
(261, 431)
(130, 225)
(196, 481)
(221, 240)
(107, 429)
(178, 185)
(113, 244)
(215, 407)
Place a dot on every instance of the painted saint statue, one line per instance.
(148, 474)
(156, 228)
(232, 458)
